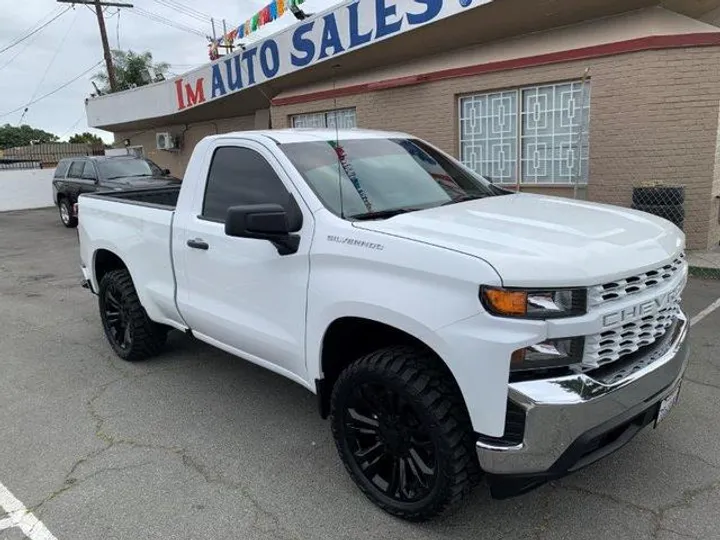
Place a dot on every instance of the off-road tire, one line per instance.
(415, 375)
(147, 338)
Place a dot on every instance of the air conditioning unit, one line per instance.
(165, 141)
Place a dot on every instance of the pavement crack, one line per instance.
(96, 416)
(264, 520)
(214, 477)
(686, 499)
(607, 496)
(70, 482)
(677, 533)
(272, 525)
(692, 456)
(702, 383)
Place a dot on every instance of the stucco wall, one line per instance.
(23, 189)
(190, 135)
(653, 118)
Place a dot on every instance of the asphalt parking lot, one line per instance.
(199, 445)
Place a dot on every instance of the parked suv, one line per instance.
(74, 176)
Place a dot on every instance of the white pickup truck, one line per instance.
(450, 328)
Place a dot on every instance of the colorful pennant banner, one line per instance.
(274, 10)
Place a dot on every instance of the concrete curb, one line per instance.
(33, 209)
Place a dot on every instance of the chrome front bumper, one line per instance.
(562, 415)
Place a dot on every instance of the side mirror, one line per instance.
(166, 172)
(264, 222)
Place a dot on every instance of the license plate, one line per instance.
(666, 405)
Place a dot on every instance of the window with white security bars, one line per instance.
(344, 118)
(533, 135)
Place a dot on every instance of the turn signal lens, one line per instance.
(537, 304)
(504, 302)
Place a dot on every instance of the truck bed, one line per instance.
(164, 198)
(135, 226)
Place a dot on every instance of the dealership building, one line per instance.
(575, 98)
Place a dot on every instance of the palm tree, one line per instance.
(133, 69)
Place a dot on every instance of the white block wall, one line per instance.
(23, 189)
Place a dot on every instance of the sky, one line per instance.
(70, 45)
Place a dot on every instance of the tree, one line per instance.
(12, 136)
(86, 138)
(133, 69)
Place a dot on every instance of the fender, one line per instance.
(370, 312)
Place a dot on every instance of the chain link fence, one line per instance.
(45, 155)
(668, 202)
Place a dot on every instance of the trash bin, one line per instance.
(667, 202)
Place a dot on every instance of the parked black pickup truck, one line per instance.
(74, 176)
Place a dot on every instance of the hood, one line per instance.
(141, 182)
(542, 241)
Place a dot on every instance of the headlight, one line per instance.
(534, 303)
(548, 354)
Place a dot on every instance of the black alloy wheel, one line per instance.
(403, 432)
(116, 318)
(131, 333)
(390, 445)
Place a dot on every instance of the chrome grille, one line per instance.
(621, 288)
(608, 346)
(615, 372)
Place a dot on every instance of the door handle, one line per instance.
(197, 243)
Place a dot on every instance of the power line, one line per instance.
(117, 26)
(168, 22)
(172, 23)
(38, 22)
(186, 6)
(65, 85)
(52, 60)
(117, 29)
(26, 36)
(67, 132)
(185, 9)
(99, 13)
(182, 11)
(20, 51)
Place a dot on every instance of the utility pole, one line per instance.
(228, 46)
(103, 33)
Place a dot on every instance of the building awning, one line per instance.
(352, 37)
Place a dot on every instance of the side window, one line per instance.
(62, 169)
(76, 169)
(240, 176)
(89, 171)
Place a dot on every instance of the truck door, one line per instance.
(239, 292)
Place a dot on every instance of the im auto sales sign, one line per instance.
(352, 25)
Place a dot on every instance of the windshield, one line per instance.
(128, 168)
(384, 177)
